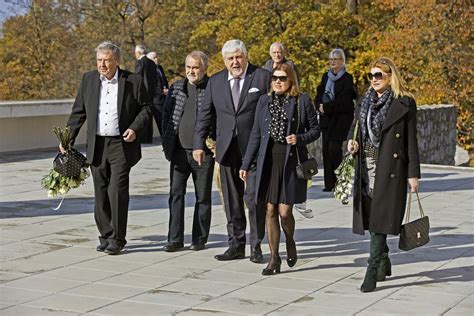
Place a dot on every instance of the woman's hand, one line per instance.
(413, 183)
(352, 146)
(291, 139)
(243, 175)
(321, 108)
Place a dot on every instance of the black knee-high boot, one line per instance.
(385, 267)
(377, 247)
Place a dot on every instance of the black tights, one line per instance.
(285, 212)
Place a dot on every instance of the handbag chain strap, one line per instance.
(297, 127)
(409, 206)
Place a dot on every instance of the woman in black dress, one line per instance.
(285, 122)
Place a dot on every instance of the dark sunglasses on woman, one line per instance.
(377, 76)
(281, 78)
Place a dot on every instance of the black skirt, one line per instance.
(273, 185)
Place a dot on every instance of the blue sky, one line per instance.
(10, 8)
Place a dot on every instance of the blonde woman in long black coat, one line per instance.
(387, 159)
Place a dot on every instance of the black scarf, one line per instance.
(279, 123)
(373, 113)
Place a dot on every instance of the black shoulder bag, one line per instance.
(304, 169)
(416, 233)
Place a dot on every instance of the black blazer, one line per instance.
(230, 123)
(338, 114)
(132, 105)
(146, 68)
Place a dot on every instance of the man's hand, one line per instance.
(291, 139)
(243, 175)
(321, 108)
(352, 146)
(198, 155)
(129, 135)
(413, 183)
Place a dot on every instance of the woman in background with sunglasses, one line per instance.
(285, 121)
(334, 100)
(387, 157)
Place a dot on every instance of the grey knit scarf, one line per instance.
(329, 89)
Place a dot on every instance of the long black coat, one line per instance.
(338, 114)
(308, 132)
(398, 160)
(146, 68)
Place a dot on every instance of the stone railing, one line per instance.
(436, 125)
(28, 125)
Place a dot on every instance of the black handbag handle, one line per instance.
(407, 218)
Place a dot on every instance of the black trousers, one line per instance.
(332, 158)
(110, 172)
(182, 166)
(235, 192)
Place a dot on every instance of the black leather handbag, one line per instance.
(416, 233)
(308, 168)
(70, 163)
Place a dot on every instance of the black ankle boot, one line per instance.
(377, 247)
(273, 267)
(385, 268)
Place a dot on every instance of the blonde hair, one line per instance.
(397, 84)
(290, 73)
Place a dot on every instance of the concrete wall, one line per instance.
(28, 125)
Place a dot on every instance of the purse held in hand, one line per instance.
(416, 233)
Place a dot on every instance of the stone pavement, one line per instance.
(48, 262)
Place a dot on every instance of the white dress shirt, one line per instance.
(107, 118)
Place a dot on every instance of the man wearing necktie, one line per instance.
(232, 95)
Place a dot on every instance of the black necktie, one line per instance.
(236, 92)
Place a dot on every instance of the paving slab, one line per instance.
(49, 266)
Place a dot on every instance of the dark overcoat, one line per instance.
(307, 132)
(338, 114)
(398, 160)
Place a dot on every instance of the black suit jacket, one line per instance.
(132, 105)
(146, 68)
(230, 123)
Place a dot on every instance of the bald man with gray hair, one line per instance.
(277, 53)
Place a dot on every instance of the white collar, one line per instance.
(114, 78)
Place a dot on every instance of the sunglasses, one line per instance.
(333, 59)
(281, 78)
(377, 76)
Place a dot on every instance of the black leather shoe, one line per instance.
(231, 254)
(197, 247)
(102, 247)
(113, 249)
(273, 267)
(256, 256)
(327, 190)
(173, 247)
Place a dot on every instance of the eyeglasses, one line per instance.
(281, 78)
(333, 59)
(377, 76)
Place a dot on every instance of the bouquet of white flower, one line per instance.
(67, 178)
(344, 174)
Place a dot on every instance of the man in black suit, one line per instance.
(146, 68)
(232, 95)
(116, 106)
(161, 92)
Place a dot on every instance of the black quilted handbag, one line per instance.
(70, 163)
(416, 233)
(308, 168)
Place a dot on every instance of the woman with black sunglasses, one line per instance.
(285, 122)
(334, 100)
(387, 158)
